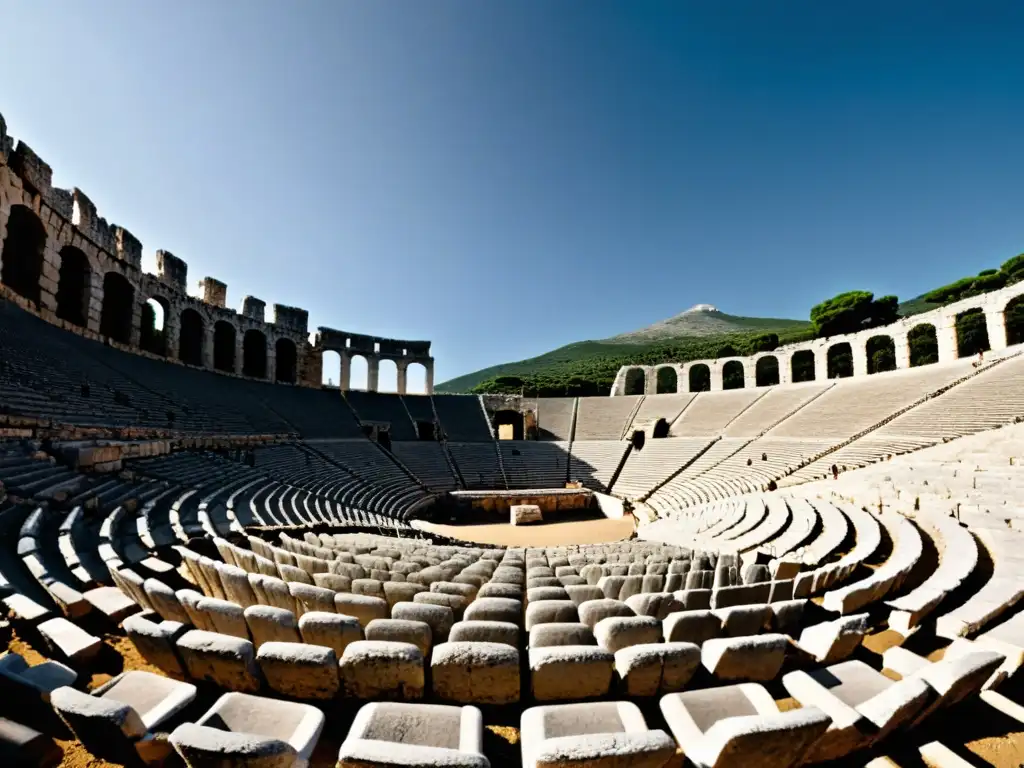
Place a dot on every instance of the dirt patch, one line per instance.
(598, 531)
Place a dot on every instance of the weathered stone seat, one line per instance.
(38, 681)
(70, 641)
(164, 601)
(742, 620)
(311, 598)
(549, 612)
(865, 705)
(438, 617)
(691, 627)
(224, 617)
(593, 611)
(649, 669)
(495, 609)
(833, 641)
(365, 608)
(157, 643)
(561, 633)
(382, 670)
(250, 732)
(597, 735)
(299, 670)
(495, 589)
(570, 672)
(269, 624)
(332, 630)
(386, 735)
(618, 632)
(475, 672)
(227, 661)
(740, 725)
(117, 716)
(402, 631)
(757, 658)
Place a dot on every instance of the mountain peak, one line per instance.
(700, 308)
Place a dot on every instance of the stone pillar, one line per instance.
(749, 374)
(650, 379)
(372, 373)
(95, 309)
(172, 334)
(430, 377)
(859, 350)
(272, 361)
(49, 277)
(239, 351)
(902, 351)
(403, 379)
(682, 385)
(345, 376)
(208, 346)
(821, 364)
(995, 323)
(717, 376)
(785, 367)
(945, 333)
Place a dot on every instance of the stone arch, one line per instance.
(74, 283)
(801, 366)
(660, 429)
(224, 338)
(733, 375)
(156, 311)
(971, 333)
(509, 425)
(286, 357)
(118, 307)
(190, 341)
(636, 381)
(1013, 318)
(23, 253)
(666, 379)
(254, 354)
(766, 371)
(387, 375)
(881, 353)
(330, 368)
(416, 379)
(923, 341)
(840, 360)
(699, 377)
(359, 372)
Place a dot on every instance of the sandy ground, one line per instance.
(598, 530)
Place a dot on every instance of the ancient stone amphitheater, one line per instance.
(208, 558)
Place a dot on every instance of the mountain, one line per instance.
(597, 360)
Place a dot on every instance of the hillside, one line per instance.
(698, 332)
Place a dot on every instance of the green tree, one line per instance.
(765, 342)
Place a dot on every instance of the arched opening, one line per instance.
(732, 375)
(638, 439)
(118, 303)
(660, 429)
(190, 338)
(766, 371)
(330, 368)
(508, 425)
(357, 372)
(224, 346)
(881, 352)
(667, 380)
(23, 253)
(636, 381)
(73, 286)
(1013, 318)
(387, 376)
(801, 367)
(153, 331)
(286, 358)
(700, 378)
(971, 333)
(840, 361)
(254, 354)
(416, 379)
(924, 345)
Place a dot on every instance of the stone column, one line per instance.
(650, 379)
(430, 377)
(749, 373)
(785, 367)
(172, 334)
(239, 361)
(901, 344)
(859, 350)
(403, 371)
(682, 385)
(995, 323)
(272, 360)
(345, 376)
(135, 337)
(95, 309)
(372, 373)
(717, 375)
(49, 277)
(945, 333)
(821, 364)
(208, 346)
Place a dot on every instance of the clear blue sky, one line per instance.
(506, 177)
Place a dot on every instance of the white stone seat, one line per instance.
(593, 611)
(126, 710)
(438, 617)
(570, 672)
(330, 629)
(475, 672)
(365, 608)
(832, 641)
(70, 641)
(865, 705)
(382, 670)
(224, 617)
(392, 734)
(269, 624)
(36, 681)
(561, 633)
(227, 661)
(652, 668)
(299, 670)
(250, 732)
(495, 609)
(757, 658)
(496, 589)
(743, 620)
(549, 612)
(401, 631)
(617, 632)
(740, 725)
(311, 598)
(691, 627)
(485, 631)
(157, 643)
(597, 735)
